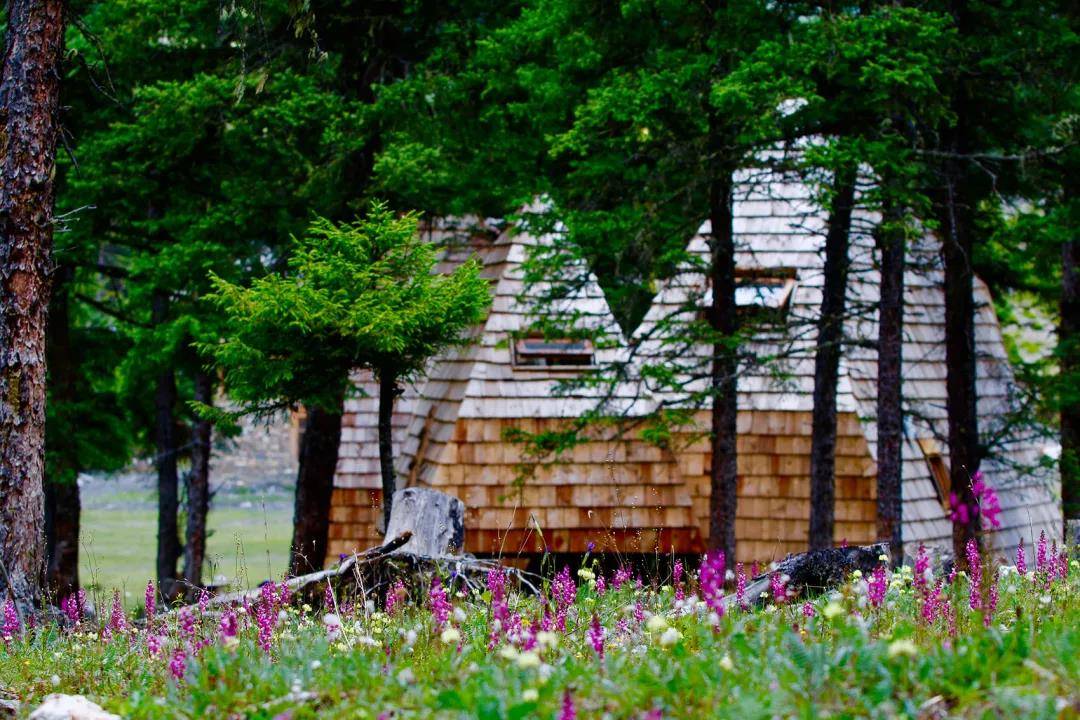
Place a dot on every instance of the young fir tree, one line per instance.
(357, 295)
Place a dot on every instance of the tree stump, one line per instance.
(435, 519)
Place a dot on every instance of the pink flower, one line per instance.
(568, 712)
(622, 575)
(187, 623)
(150, 601)
(228, 625)
(932, 604)
(740, 587)
(394, 598)
(922, 569)
(676, 573)
(986, 500)
(11, 625)
(1021, 558)
(72, 607)
(204, 601)
(596, 636)
(1040, 553)
(711, 576)
(328, 599)
(992, 600)
(437, 601)
(808, 610)
(601, 585)
(975, 572)
(117, 619)
(877, 586)
(564, 592)
(779, 588)
(178, 664)
(153, 644)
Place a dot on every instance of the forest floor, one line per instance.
(893, 644)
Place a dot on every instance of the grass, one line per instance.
(245, 546)
(491, 656)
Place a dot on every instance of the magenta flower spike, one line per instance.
(596, 636)
(568, 711)
(1021, 558)
(711, 577)
(11, 626)
(438, 602)
(150, 601)
(975, 574)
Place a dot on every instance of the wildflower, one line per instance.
(596, 636)
(622, 575)
(450, 636)
(265, 620)
(931, 603)
(808, 610)
(204, 601)
(922, 569)
(904, 646)
(601, 585)
(975, 568)
(547, 639)
(72, 608)
(992, 601)
(564, 592)
(153, 644)
(117, 619)
(711, 576)
(832, 610)
(440, 606)
(528, 659)
(656, 623)
(586, 574)
(178, 664)
(150, 600)
(726, 664)
(1040, 553)
(568, 712)
(228, 625)
(986, 500)
(187, 623)
(740, 587)
(1021, 559)
(877, 586)
(676, 576)
(778, 585)
(530, 695)
(670, 637)
(332, 623)
(11, 625)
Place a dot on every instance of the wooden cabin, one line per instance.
(627, 494)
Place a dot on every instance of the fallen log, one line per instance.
(813, 572)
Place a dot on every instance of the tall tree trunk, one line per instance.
(388, 392)
(1069, 350)
(890, 417)
(169, 548)
(29, 109)
(314, 487)
(956, 218)
(723, 318)
(827, 362)
(62, 506)
(198, 494)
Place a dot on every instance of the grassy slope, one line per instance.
(118, 546)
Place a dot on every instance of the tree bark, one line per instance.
(29, 110)
(169, 548)
(62, 505)
(198, 494)
(388, 392)
(956, 218)
(890, 417)
(1069, 350)
(723, 318)
(314, 487)
(827, 363)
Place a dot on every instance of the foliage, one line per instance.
(359, 295)
(866, 649)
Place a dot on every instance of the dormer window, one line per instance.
(761, 294)
(939, 471)
(536, 352)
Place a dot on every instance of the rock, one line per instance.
(70, 707)
(436, 520)
(9, 708)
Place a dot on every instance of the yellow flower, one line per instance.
(656, 623)
(528, 659)
(530, 695)
(833, 609)
(726, 663)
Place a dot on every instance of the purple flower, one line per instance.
(1021, 558)
(394, 598)
(437, 601)
(986, 499)
(711, 576)
(328, 598)
(178, 664)
(622, 575)
(740, 587)
(676, 574)
(72, 607)
(992, 600)
(922, 569)
(117, 619)
(596, 636)
(808, 610)
(971, 551)
(779, 588)
(153, 644)
(590, 547)
(568, 712)
(932, 604)
(11, 625)
(187, 623)
(564, 592)
(228, 625)
(877, 586)
(601, 584)
(1040, 553)
(150, 601)
(204, 601)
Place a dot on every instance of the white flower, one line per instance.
(528, 659)
(450, 636)
(315, 664)
(904, 646)
(546, 638)
(586, 574)
(508, 652)
(656, 623)
(460, 615)
(726, 663)
(833, 609)
(410, 638)
(406, 676)
(714, 619)
(670, 637)
(530, 695)
(55, 679)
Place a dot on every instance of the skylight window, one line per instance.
(534, 352)
(762, 294)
